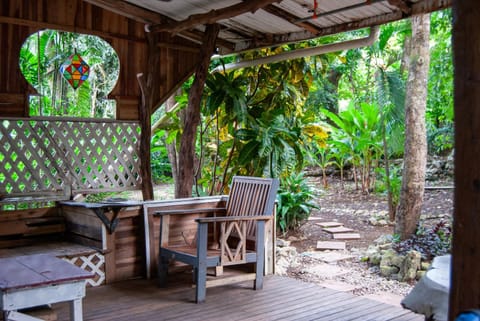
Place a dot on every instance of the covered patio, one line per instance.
(160, 44)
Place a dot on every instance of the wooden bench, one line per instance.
(34, 280)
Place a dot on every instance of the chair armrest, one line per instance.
(233, 218)
(190, 211)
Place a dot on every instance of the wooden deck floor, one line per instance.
(281, 299)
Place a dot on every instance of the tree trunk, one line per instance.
(186, 157)
(171, 148)
(413, 181)
(150, 95)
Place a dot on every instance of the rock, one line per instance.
(386, 246)
(424, 266)
(391, 258)
(372, 254)
(386, 238)
(286, 258)
(410, 266)
(283, 243)
(388, 270)
(375, 259)
(287, 252)
(382, 222)
(420, 274)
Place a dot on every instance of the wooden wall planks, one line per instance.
(19, 19)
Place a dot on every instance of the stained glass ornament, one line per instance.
(75, 70)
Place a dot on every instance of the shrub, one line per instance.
(430, 242)
(294, 202)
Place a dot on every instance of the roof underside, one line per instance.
(251, 24)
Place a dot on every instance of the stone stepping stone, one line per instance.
(346, 236)
(314, 218)
(330, 245)
(329, 224)
(332, 257)
(339, 229)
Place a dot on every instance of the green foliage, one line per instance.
(254, 123)
(294, 202)
(161, 167)
(357, 136)
(440, 86)
(395, 183)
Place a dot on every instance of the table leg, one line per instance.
(76, 313)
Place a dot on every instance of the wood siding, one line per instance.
(124, 249)
(19, 19)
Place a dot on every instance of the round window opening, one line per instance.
(72, 74)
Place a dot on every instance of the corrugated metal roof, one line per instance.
(283, 21)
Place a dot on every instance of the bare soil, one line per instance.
(354, 209)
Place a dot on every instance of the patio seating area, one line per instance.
(282, 298)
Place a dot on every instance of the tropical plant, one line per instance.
(357, 132)
(294, 202)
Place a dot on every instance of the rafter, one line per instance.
(279, 12)
(129, 10)
(212, 16)
(400, 4)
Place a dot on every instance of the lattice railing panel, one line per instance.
(94, 263)
(55, 157)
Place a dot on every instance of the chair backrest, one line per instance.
(251, 196)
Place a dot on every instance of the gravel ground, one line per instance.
(353, 209)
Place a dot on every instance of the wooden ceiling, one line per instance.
(252, 24)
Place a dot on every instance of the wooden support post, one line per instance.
(191, 119)
(149, 85)
(465, 289)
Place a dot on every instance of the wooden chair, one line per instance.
(228, 236)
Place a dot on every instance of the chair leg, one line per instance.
(162, 271)
(201, 264)
(258, 283)
(260, 264)
(201, 288)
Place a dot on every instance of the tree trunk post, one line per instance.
(465, 277)
(413, 181)
(150, 96)
(186, 156)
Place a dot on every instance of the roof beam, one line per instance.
(279, 12)
(212, 16)
(148, 17)
(401, 4)
(129, 10)
(339, 10)
(426, 6)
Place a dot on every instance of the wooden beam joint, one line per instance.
(212, 16)
(402, 5)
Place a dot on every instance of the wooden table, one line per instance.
(102, 207)
(35, 280)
